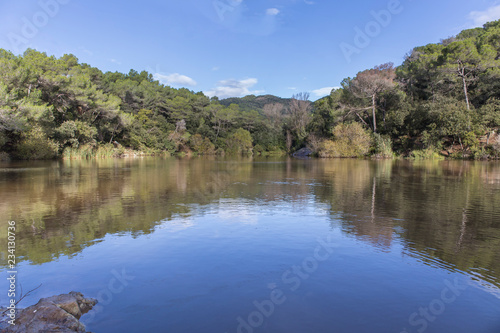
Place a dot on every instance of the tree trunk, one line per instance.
(288, 140)
(466, 93)
(373, 111)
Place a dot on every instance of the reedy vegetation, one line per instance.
(444, 97)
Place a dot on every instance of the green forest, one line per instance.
(442, 101)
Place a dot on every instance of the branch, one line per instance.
(23, 296)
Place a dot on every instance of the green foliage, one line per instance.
(3, 139)
(382, 146)
(258, 149)
(443, 96)
(350, 140)
(74, 133)
(426, 154)
(493, 149)
(240, 142)
(201, 145)
(35, 145)
(4, 157)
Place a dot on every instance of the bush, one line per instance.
(328, 148)
(201, 145)
(258, 149)
(3, 139)
(426, 154)
(195, 142)
(495, 147)
(75, 133)
(35, 145)
(179, 140)
(314, 143)
(382, 146)
(4, 157)
(351, 140)
(240, 142)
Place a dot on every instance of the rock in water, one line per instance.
(53, 314)
(304, 152)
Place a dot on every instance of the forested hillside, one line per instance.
(444, 98)
(252, 102)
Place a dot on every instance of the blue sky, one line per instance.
(232, 48)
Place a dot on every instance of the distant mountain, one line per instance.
(252, 102)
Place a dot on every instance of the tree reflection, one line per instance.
(446, 210)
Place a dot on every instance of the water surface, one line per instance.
(261, 245)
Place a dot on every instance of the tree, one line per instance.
(274, 113)
(240, 142)
(419, 74)
(299, 115)
(463, 61)
(369, 84)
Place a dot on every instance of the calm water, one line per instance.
(211, 245)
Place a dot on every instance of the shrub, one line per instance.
(258, 149)
(4, 157)
(179, 140)
(195, 142)
(314, 143)
(240, 142)
(328, 148)
(201, 145)
(495, 147)
(426, 154)
(351, 140)
(382, 146)
(75, 133)
(3, 139)
(35, 145)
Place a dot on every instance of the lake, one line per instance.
(260, 245)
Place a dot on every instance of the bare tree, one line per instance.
(370, 84)
(274, 112)
(299, 112)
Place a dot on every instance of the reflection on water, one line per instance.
(442, 214)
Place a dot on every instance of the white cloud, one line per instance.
(481, 17)
(309, 2)
(115, 61)
(272, 11)
(323, 91)
(175, 79)
(234, 88)
(215, 68)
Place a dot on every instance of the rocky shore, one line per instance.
(60, 314)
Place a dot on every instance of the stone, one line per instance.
(52, 314)
(304, 152)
